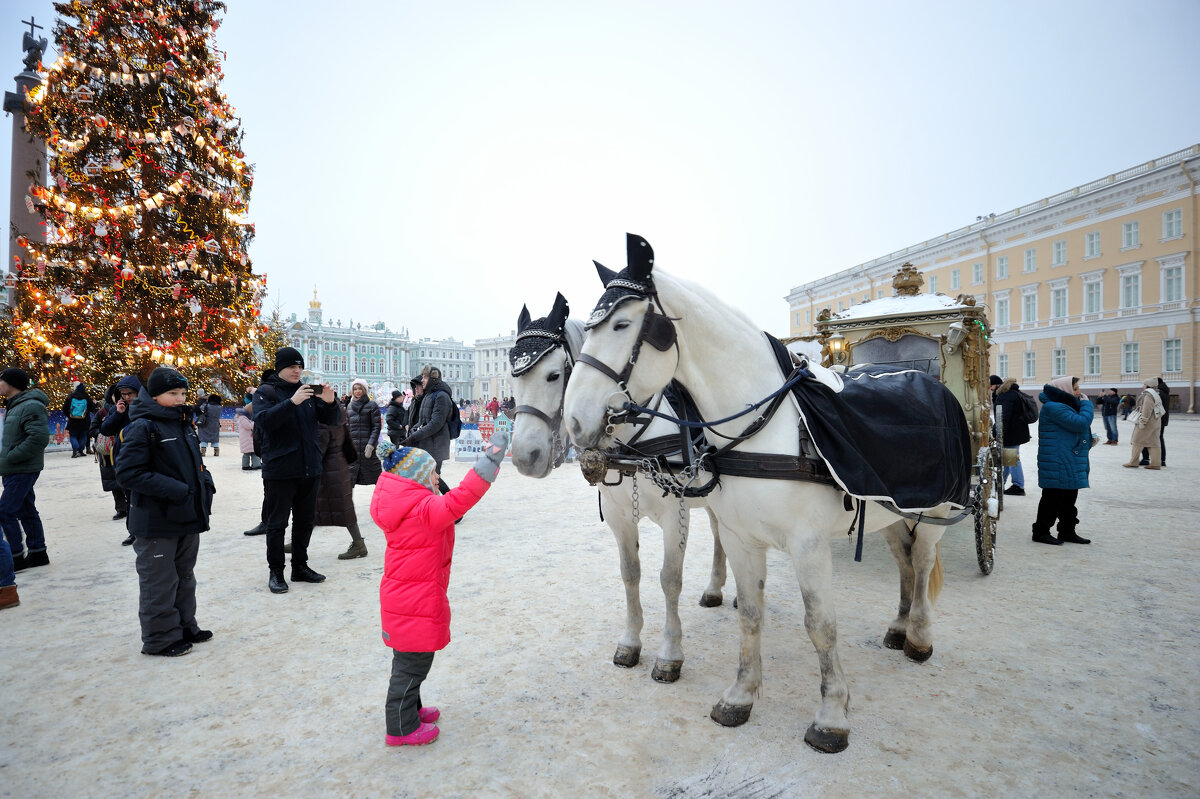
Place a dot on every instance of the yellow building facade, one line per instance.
(1098, 282)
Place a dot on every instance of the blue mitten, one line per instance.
(488, 465)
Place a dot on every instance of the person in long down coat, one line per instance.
(208, 424)
(1064, 444)
(335, 493)
(1147, 431)
(365, 427)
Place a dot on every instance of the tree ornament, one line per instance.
(68, 351)
(194, 306)
(127, 273)
(176, 289)
(101, 229)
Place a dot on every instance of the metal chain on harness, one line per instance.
(636, 511)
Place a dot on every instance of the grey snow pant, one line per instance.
(167, 582)
(409, 670)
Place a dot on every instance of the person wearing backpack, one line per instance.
(430, 430)
(1015, 417)
(170, 499)
(78, 408)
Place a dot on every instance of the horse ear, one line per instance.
(558, 314)
(523, 319)
(606, 274)
(640, 256)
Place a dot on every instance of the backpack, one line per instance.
(454, 421)
(78, 408)
(1029, 408)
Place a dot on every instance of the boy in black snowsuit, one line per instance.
(170, 497)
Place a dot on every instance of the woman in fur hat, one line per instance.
(1150, 410)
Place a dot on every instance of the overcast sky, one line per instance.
(436, 165)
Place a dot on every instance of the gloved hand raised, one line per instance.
(488, 465)
(368, 451)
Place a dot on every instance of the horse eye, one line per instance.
(624, 323)
(552, 377)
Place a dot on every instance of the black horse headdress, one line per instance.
(537, 337)
(633, 282)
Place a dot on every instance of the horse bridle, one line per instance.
(659, 332)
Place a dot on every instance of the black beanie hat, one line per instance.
(995, 380)
(17, 378)
(288, 356)
(164, 379)
(397, 394)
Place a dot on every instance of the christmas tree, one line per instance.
(145, 259)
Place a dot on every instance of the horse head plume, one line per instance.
(633, 282)
(537, 337)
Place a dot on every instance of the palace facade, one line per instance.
(1098, 281)
(491, 366)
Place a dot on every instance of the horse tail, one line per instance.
(936, 577)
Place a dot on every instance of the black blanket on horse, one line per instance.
(892, 435)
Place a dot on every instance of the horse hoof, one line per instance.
(710, 601)
(894, 640)
(730, 715)
(828, 741)
(627, 656)
(918, 655)
(666, 670)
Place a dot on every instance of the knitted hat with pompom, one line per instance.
(409, 462)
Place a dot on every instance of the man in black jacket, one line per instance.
(287, 413)
(1016, 419)
(395, 418)
(127, 390)
(1110, 404)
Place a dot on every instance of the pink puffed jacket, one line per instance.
(245, 430)
(419, 527)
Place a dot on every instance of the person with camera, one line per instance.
(287, 412)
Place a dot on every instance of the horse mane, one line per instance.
(574, 331)
(710, 301)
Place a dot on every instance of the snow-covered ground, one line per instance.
(1070, 671)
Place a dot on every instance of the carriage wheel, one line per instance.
(985, 525)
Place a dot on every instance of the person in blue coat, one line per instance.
(1064, 442)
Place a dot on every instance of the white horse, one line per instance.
(710, 343)
(542, 362)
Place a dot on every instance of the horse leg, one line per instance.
(750, 573)
(669, 662)
(900, 542)
(918, 643)
(830, 729)
(619, 517)
(712, 598)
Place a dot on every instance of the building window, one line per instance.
(976, 274)
(1131, 291)
(1029, 307)
(879, 294)
(1058, 362)
(1173, 224)
(1002, 319)
(1093, 297)
(1058, 302)
(1172, 288)
(1129, 236)
(1058, 253)
(1002, 364)
(808, 317)
(1091, 361)
(1173, 355)
(1091, 245)
(1028, 365)
(1030, 262)
(840, 306)
(1129, 358)
(325, 362)
(955, 283)
(1002, 267)
(933, 284)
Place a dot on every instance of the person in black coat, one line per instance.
(104, 457)
(78, 408)
(1110, 405)
(170, 498)
(287, 412)
(1015, 421)
(364, 421)
(128, 389)
(396, 417)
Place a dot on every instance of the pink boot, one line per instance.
(429, 714)
(425, 734)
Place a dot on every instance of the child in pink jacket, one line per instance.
(419, 526)
(244, 426)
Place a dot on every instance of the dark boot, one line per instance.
(8, 597)
(277, 583)
(128, 540)
(261, 529)
(19, 562)
(1072, 538)
(302, 574)
(36, 559)
(1046, 538)
(358, 549)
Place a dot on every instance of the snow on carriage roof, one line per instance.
(897, 305)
